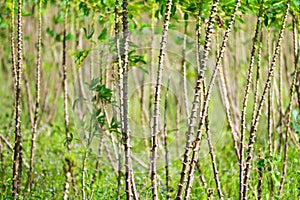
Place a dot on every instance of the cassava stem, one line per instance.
(17, 164)
(246, 95)
(156, 113)
(37, 95)
(289, 110)
(207, 100)
(253, 129)
(195, 105)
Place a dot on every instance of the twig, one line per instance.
(202, 178)
(6, 142)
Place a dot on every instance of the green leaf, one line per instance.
(100, 117)
(70, 36)
(98, 112)
(114, 126)
(50, 32)
(135, 59)
(104, 93)
(94, 83)
(80, 56)
(103, 35)
(113, 123)
(58, 38)
(58, 19)
(89, 32)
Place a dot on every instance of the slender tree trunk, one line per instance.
(289, 110)
(65, 83)
(156, 113)
(151, 74)
(37, 95)
(69, 173)
(207, 100)
(183, 69)
(245, 100)
(257, 77)
(17, 165)
(269, 116)
(130, 185)
(225, 98)
(2, 165)
(120, 87)
(29, 98)
(195, 105)
(260, 177)
(213, 159)
(83, 194)
(13, 50)
(281, 112)
(253, 130)
(165, 141)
